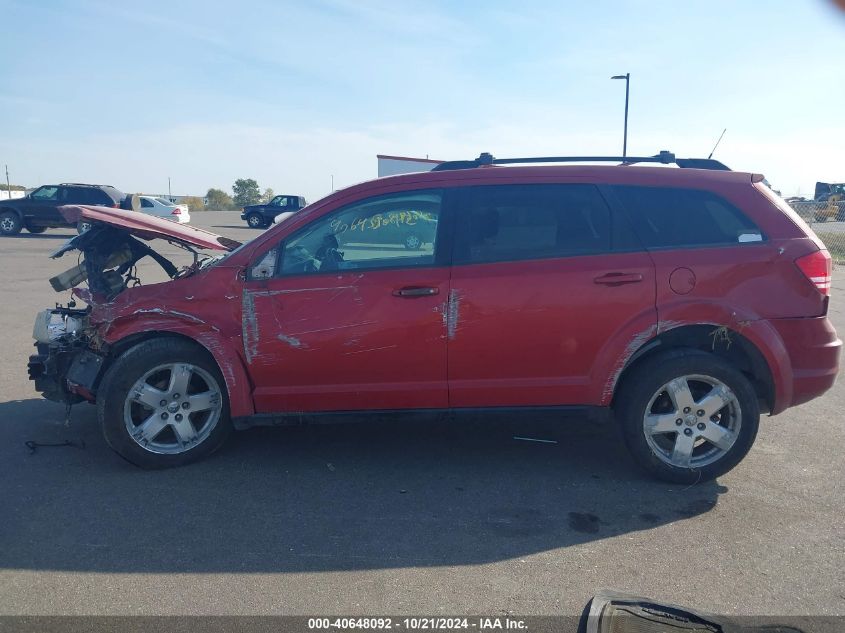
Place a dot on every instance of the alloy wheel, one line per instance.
(692, 421)
(172, 408)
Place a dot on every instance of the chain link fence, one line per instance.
(827, 219)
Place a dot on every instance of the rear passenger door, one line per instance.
(547, 285)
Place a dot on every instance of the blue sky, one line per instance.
(290, 93)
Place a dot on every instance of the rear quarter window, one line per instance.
(671, 217)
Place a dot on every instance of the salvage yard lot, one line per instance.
(399, 518)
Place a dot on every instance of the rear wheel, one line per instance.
(164, 403)
(688, 416)
(10, 223)
(82, 226)
(255, 221)
(36, 229)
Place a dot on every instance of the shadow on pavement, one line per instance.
(344, 497)
(43, 236)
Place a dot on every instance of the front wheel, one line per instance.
(255, 221)
(10, 223)
(688, 416)
(164, 403)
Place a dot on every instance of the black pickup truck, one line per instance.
(259, 216)
(39, 210)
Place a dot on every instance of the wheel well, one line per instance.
(721, 341)
(125, 344)
(12, 210)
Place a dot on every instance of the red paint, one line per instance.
(540, 332)
(149, 227)
(529, 333)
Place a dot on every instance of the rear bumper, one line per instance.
(814, 350)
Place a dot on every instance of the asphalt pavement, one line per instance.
(399, 518)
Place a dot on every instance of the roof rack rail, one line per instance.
(664, 158)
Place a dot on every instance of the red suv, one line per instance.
(685, 300)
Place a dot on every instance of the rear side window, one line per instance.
(668, 218)
(516, 222)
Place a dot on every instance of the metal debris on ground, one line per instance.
(33, 445)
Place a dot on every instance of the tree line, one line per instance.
(245, 192)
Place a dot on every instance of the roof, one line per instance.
(610, 174)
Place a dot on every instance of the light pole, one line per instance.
(627, 78)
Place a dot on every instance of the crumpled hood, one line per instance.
(148, 227)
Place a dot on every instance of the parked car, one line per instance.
(259, 216)
(39, 210)
(164, 208)
(683, 302)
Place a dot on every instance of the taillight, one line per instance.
(115, 206)
(177, 211)
(817, 267)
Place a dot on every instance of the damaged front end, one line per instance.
(64, 368)
(70, 351)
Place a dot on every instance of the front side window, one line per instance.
(46, 193)
(146, 203)
(279, 201)
(671, 218)
(516, 222)
(382, 232)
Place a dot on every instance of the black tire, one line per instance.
(10, 223)
(82, 226)
(255, 221)
(646, 381)
(120, 380)
(35, 230)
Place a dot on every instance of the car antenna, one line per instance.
(717, 143)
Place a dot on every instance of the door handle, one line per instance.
(618, 279)
(409, 292)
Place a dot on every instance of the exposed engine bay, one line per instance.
(109, 258)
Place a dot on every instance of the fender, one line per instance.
(223, 350)
(617, 352)
(758, 332)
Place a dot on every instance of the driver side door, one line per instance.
(342, 316)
